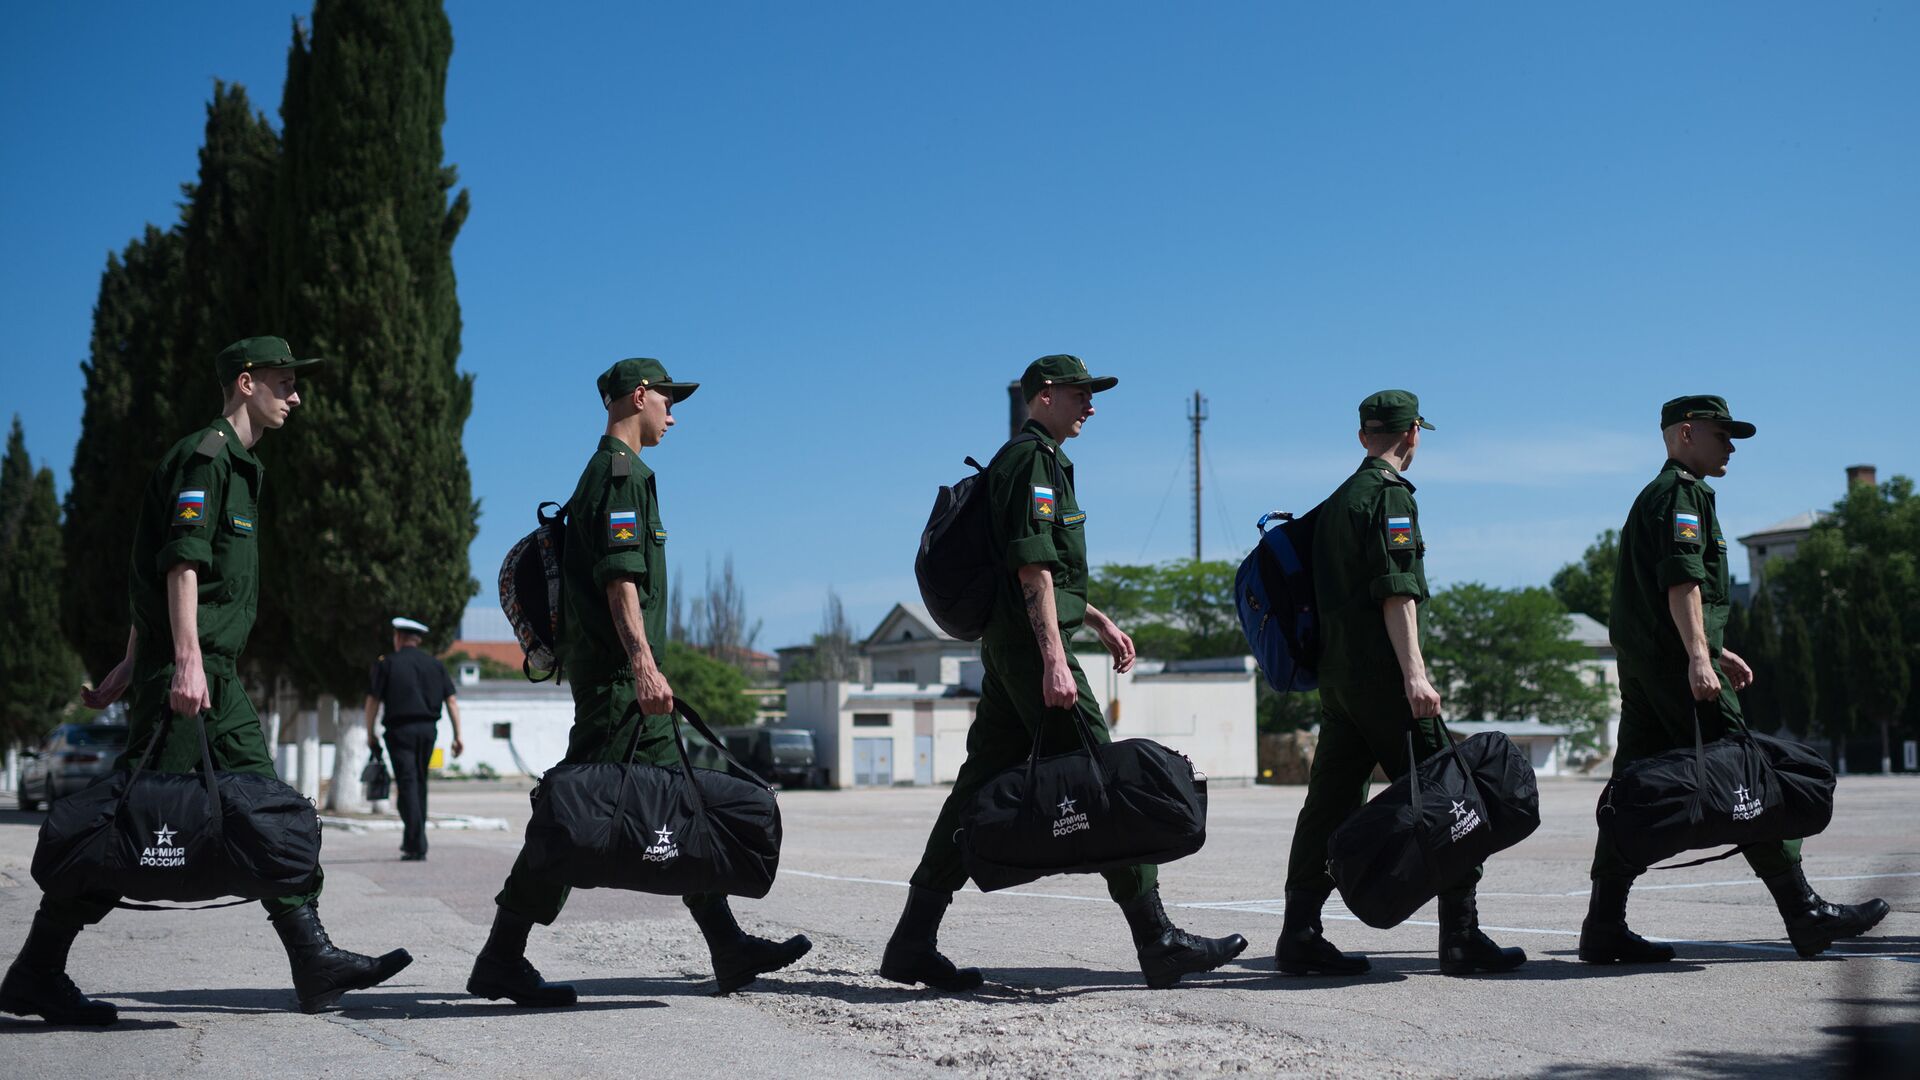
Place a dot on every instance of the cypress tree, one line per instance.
(1877, 664)
(368, 503)
(1760, 647)
(1797, 686)
(39, 675)
(128, 375)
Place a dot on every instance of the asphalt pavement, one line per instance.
(207, 994)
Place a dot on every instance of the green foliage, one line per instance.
(375, 512)
(1878, 668)
(130, 379)
(714, 688)
(1587, 586)
(1503, 654)
(39, 674)
(1754, 634)
(1179, 610)
(489, 667)
(1276, 713)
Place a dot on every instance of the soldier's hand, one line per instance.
(188, 694)
(1739, 672)
(1702, 681)
(373, 743)
(651, 690)
(110, 688)
(1057, 688)
(1422, 697)
(458, 747)
(1119, 643)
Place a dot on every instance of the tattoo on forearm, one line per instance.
(629, 640)
(1031, 594)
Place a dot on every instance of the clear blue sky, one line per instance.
(855, 223)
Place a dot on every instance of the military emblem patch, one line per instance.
(241, 524)
(1686, 527)
(659, 536)
(623, 528)
(1399, 532)
(1074, 518)
(1043, 506)
(190, 507)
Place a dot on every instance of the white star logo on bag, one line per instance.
(163, 837)
(1066, 806)
(1459, 809)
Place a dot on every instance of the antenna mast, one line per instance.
(1197, 415)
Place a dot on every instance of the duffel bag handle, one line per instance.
(1080, 726)
(1413, 763)
(682, 710)
(153, 745)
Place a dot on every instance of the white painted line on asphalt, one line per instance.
(1749, 881)
(1277, 906)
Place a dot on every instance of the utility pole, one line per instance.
(1197, 414)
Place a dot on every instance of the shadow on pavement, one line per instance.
(14, 1025)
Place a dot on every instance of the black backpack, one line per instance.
(1274, 593)
(530, 591)
(958, 569)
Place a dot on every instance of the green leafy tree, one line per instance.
(1878, 670)
(128, 375)
(1755, 635)
(714, 688)
(1504, 654)
(1587, 586)
(1796, 687)
(39, 674)
(368, 502)
(1176, 610)
(1276, 713)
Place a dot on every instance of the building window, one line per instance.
(872, 719)
(1760, 552)
(904, 674)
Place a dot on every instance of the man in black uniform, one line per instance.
(413, 686)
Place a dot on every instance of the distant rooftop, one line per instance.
(484, 622)
(1800, 523)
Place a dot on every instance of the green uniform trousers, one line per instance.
(1001, 736)
(1357, 732)
(605, 714)
(1656, 715)
(237, 745)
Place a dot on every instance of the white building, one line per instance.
(913, 729)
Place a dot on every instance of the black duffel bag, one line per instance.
(376, 778)
(1102, 807)
(1743, 788)
(650, 828)
(1430, 828)
(181, 837)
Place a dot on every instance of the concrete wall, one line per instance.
(1207, 715)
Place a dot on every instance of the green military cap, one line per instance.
(1392, 410)
(1062, 370)
(255, 353)
(1703, 407)
(622, 378)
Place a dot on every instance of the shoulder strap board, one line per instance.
(1687, 478)
(622, 466)
(211, 444)
(1053, 459)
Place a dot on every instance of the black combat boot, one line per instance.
(913, 952)
(1812, 923)
(739, 957)
(1604, 937)
(502, 971)
(1303, 948)
(37, 983)
(1168, 952)
(1463, 948)
(321, 973)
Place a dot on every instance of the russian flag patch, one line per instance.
(190, 507)
(1686, 528)
(623, 528)
(1043, 508)
(1399, 532)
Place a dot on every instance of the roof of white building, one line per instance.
(1588, 631)
(923, 627)
(1800, 524)
(1509, 728)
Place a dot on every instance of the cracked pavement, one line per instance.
(208, 992)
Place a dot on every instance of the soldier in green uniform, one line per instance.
(1670, 604)
(1369, 576)
(614, 604)
(1031, 681)
(194, 590)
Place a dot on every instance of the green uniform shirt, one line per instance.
(1672, 536)
(613, 531)
(1037, 525)
(1366, 548)
(198, 508)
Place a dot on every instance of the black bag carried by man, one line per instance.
(651, 828)
(1428, 830)
(375, 778)
(1104, 806)
(1743, 788)
(182, 837)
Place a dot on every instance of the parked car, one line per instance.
(73, 756)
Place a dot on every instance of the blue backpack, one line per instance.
(1274, 592)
